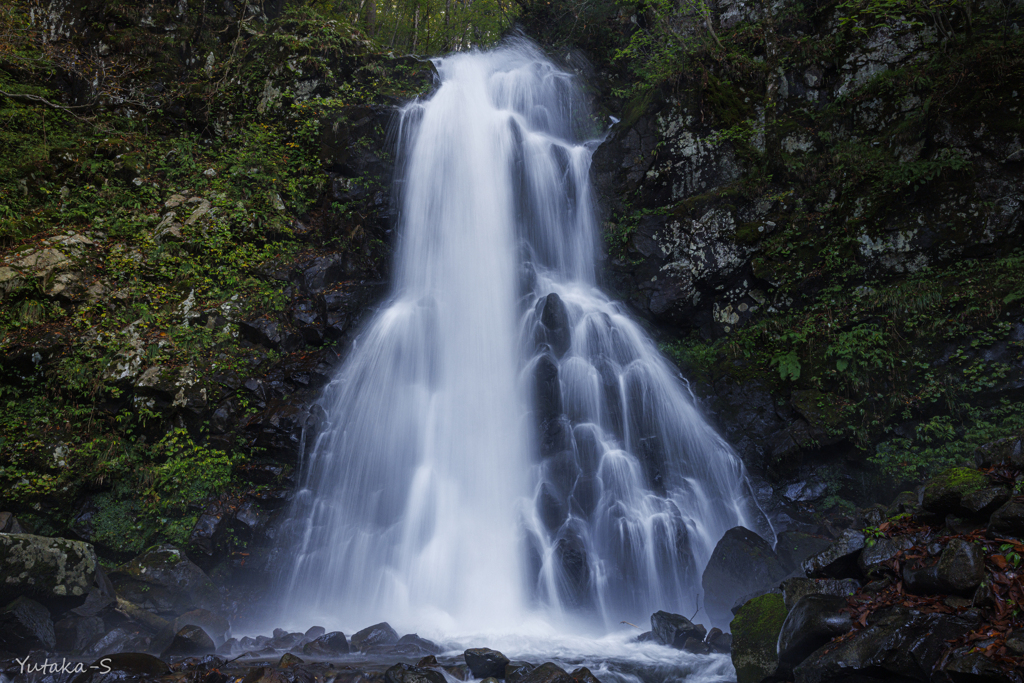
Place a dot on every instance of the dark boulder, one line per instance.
(190, 641)
(484, 662)
(696, 647)
(719, 642)
(547, 672)
(378, 634)
(315, 632)
(412, 645)
(943, 492)
(984, 502)
(742, 564)
(330, 644)
(794, 589)
(584, 675)
(555, 320)
(793, 547)
(873, 558)
(406, 673)
(965, 666)
(214, 625)
(77, 633)
(897, 644)
(165, 580)
(960, 569)
(1008, 520)
(813, 621)
(674, 630)
(839, 560)
(126, 638)
(25, 625)
(515, 672)
(755, 635)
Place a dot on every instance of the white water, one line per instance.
(507, 452)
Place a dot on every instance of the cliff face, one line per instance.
(193, 219)
(819, 206)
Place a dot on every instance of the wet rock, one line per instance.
(873, 557)
(285, 641)
(121, 639)
(964, 666)
(314, 632)
(548, 672)
(742, 564)
(984, 502)
(795, 589)
(406, 673)
(228, 647)
(960, 569)
(555, 320)
(330, 644)
(905, 502)
(897, 643)
(719, 642)
(25, 625)
(484, 662)
(1008, 520)
(839, 560)
(9, 524)
(77, 633)
(190, 641)
(813, 621)
(414, 645)
(165, 580)
(755, 634)
(515, 672)
(214, 625)
(793, 547)
(271, 334)
(288, 659)
(55, 571)
(943, 493)
(378, 634)
(674, 629)
(697, 647)
(583, 675)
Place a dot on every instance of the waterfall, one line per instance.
(504, 442)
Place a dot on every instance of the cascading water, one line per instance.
(505, 444)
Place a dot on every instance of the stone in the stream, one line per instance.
(515, 672)
(25, 625)
(674, 629)
(413, 645)
(484, 662)
(960, 569)
(190, 641)
(378, 634)
(813, 621)
(555, 320)
(330, 644)
(407, 673)
(755, 635)
(719, 642)
(742, 564)
(288, 659)
(584, 675)
(548, 672)
(315, 632)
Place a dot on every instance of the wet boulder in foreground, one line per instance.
(742, 564)
(486, 663)
(373, 636)
(674, 629)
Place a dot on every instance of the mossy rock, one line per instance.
(755, 634)
(942, 493)
(55, 571)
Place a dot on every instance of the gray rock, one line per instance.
(121, 639)
(25, 625)
(1008, 520)
(190, 641)
(165, 580)
(214, 625)
(943, 492)
(813, 621)
(964, 666)
(795, 589)
(55, 571)
(484, 662)
(755, 633)
(674, 629)
(412, 644)
(548, 672)
(960, 569)
(984, 502)
(793, 547)
(719, 642)
(873, 557)
(839, 560)
(330, 644)
(378, 634)
(742, 564)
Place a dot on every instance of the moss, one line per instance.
(755, 634)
